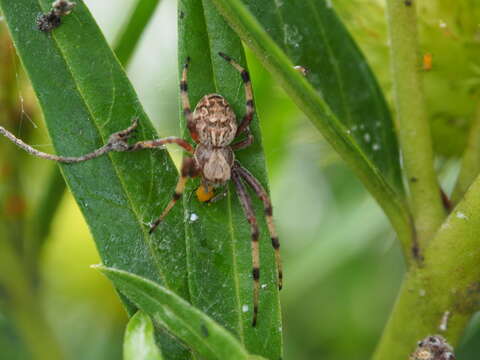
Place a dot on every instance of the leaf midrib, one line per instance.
(235, 267)
(233, 239)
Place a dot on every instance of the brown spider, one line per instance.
(433, 347)
(213, 127)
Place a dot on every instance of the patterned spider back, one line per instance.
(215, 121)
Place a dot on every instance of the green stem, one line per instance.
(24, 307)
(447, 281)
(307, 99)
(412, 121)
(131, 33)
(471, 160)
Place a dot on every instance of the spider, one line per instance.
(213, 127)
(433, 347)
(51, 20)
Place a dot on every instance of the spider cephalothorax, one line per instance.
(215, 121)
(213, 128)
(216, 126)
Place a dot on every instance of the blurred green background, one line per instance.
(343, 265)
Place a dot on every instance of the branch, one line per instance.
(412, 121)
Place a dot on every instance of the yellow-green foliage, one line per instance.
(450, 33)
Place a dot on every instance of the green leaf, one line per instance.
(311, 35)
(48, 204)
(139, 342)
(218, 235)
(198, 331)
(85, 96)
(342, 100)
(133, 30)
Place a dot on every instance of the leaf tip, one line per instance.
(98, 267)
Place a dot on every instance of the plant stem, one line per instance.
(412, 120)
(447, 281)
(471, 160)
(24, 307)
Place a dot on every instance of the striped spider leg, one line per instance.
(240, 174)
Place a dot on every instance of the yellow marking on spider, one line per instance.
(205, 194)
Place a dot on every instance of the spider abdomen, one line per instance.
(215, 163)
(215, 121)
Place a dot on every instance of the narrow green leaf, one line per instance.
(218, 235)
(85, 96)
(133, 30)
(48, 204)
(197, 330)
(382, 186)
(83, 103)
(311, 35)
(139, 342)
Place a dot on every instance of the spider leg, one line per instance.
(263, 195)
(218, 196)
(189, 170)
(247, 119)
(244, 143)
(152, 144)
(119, 139)
(187, 111)
(116, 142)
(247, 207)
